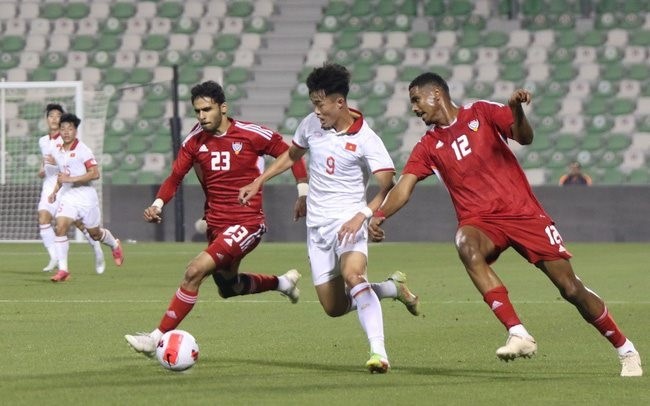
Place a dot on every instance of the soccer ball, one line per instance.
(177, 350)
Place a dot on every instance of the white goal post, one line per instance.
(22, 123)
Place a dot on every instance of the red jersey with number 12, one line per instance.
(224, 163)
(472, 158)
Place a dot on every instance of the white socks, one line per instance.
(370, 316)
(626, 347)
(47, 235)
(385, 289)
(62, 246)
(108, 239)
(519, 330)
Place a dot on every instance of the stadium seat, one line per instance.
(131, 42)
(155, 42)
(240, 8)
(170, 9)
(122, 10)
(101, 59)
(639, 176)
(77, 10)
(108, 43)
(226, 42)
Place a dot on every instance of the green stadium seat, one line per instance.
(479, 90)
(386, 8)
(618, 142)
(380, 90)
(599, 124)
(361, 8)
(52, 11)
(640, 72)
(402, 22)
(610, 160)
(607, 6)
(148, 178)
(136, 145)
(563, 22)
(537, 23)
(606, 21)
(513, 73)
(223, 59)
(77, 10)
(289, 125)
(8, 60)
(463, 56)
(421, 40)
(546, 106)
(83, 43)
(115, 76)
(622, 106)
(53, 60)
(336, 8)
(594, 38)
(41, 74)
(377, 23)
(236, 76)
(639, 38)
(155, 42)
(566, 143)
(240, 8)
(563, 72)
(474, 22)
(122, 10)
(391, 141)
(258, 25)
(495, 39)
(152, 110)
(144, 128)
(101, 60)
(591, 143)
(227, 42)
(189, 75)
(170, 9)
(140, 76)
(612, 72)
(595, 106)
(185, 25)
(357, 91)
(532, 8)
(567, 39)
(233, 92)
(512, 56)
(373, 108)
(548, 125)
(470, 39)
(447, 23)
(121, 177)
(131, 162)
(109, 43)
(434, 8)
(12, 43)
(348, 40)
(299, 108)
(632, 21)
(329, 24)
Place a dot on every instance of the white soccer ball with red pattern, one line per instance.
(177, 350)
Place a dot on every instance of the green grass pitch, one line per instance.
(63, 343)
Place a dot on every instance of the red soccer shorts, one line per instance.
(230, 244)
(534, 238)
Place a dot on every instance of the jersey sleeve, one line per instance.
(377, 156)
(300, 137)
(87, 157)
(419, 162)
(499, 115)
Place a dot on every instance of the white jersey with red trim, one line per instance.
(75, 162)
(340, 165)
(49, 146)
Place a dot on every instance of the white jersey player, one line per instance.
(344, 153)
(77, 199)
(48, 145)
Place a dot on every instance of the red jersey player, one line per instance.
(224, 154)
(466, 147)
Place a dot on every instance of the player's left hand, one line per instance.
(300, 208)
(520, 96)
(348, 231)
(51, 198)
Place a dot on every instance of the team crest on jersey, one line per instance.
(473, 125)
(237, 147)
(350, 146)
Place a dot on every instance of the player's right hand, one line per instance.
(152, 214)
(247, 192)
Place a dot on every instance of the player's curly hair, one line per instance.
(430, 78)
(70, 118)
(53, 106)
(331, 78)
(209, 89)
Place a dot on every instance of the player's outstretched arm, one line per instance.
(398, 196)
(522, 132)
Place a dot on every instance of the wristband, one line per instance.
(367, 212)
(303, 189)
(379, 214)
(158, 203)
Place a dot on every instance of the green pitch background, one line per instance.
(63, 343)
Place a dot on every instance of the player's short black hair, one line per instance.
(430, 78)
(53, 106)
(70, 118)
(209, 89)
(331, 78)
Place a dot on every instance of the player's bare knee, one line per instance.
(334, 311)
(572, 291)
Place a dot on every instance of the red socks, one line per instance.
(608, 328)
(257, 283)
(180, 305)
(499, 302)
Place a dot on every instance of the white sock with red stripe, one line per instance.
(370, 316)
(62, 246)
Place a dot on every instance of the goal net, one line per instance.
(22, 123)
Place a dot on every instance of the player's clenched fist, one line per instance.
(152, 214)
(520, 96)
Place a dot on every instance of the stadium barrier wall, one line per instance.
(583, 214)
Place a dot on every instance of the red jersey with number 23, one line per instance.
(224, 163)
(472, 158)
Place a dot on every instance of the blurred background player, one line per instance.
(225, 154)
(344, 152)
(48, 144)
(575, 176)
(466, 147)
(77, 199)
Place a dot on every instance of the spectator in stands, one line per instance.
(344, 151)
(575, 176)
(224, 153)
(49, 144)
(496, 208)
(77, 198)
